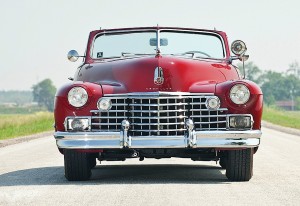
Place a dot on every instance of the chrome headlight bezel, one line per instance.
(104, 104)
(77, 123)
(239, 94)
(238, 47)
(213, 103)
(240, 121)
(77, 96)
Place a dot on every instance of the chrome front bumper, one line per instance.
(194, 139)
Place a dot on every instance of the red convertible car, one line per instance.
(159, 92)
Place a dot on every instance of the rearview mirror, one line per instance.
(163, 42)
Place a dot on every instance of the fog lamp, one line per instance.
(104, 104)
(78, 124)
(240, 122)
(238, 47)
(213, 103)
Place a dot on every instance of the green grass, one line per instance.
(20, 110)
(281, 117)
(14, 125)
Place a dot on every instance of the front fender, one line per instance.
(254, 106)
(62, 108)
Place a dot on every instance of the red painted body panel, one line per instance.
(137, 74)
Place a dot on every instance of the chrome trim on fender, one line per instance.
(87, 140)
(228, 143)
(155, 94)
(86, 135)
(249, 134)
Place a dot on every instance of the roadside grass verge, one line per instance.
(15, 125)
(282, 117)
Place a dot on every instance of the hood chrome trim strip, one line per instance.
(160, 94)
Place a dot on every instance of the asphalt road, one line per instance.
(31, 173)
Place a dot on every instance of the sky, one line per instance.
(36, 35)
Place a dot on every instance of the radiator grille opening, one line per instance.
(159, 115)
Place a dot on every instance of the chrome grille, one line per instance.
(159, 114)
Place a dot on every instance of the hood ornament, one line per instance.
(158, 76)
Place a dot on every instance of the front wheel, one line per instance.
(77, 165)
(93, 162)
(239, 165)
(223, 162)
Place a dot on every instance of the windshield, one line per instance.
(179, 43)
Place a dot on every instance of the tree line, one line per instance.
(276, 86)
(44, 93)
(17, 97)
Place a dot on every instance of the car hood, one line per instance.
(140, 74)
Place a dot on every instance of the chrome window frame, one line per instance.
(157, 31)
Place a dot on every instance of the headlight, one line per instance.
(104, 104)
(239, 94)
(77, 96)
(213, 103)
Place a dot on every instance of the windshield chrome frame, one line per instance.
(157, 40)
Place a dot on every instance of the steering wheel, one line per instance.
(197, 52)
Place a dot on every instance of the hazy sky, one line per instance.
(36, 35)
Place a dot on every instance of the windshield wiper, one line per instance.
(193, 54)
(127, 54)
(189, 55)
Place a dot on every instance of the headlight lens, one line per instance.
(240, 122)
(78, 124)
(77, 96)
(239, 94)
(104, 104)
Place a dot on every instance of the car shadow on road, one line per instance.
(120, 174)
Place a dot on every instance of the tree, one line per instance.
(252, 72)
(276, 86)
(298, 103)
(43, 94)
(294, 68)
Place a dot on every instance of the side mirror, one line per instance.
(73, 55)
